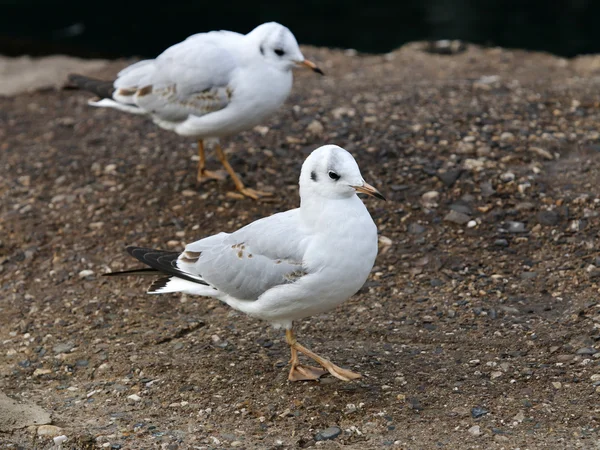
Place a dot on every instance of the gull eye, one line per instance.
(333, 175)
(279, 52)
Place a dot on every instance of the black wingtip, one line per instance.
(319, 71)
(158, 284)
(141, 271)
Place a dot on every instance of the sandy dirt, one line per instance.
(478, 328)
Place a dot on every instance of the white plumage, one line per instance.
(290, 265)
(212, 85)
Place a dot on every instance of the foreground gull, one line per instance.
(209, 86)
(288, 266)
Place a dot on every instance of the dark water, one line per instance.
(111, 28)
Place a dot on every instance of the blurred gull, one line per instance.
(209, 86)
(288, 266)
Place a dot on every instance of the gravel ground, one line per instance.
(477, 329)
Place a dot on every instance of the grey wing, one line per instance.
(189, 78)
(245, 264)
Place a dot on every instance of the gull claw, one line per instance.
(208, 175)
(300, 372)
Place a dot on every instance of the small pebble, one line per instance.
(475, 430)
(415, 228)
(548, 218)
(516, 227)
(86, 273)
(457, 217)
(586, 351)
(478, 412)
(59, 439)
(328, 434)
(315, 127)
(134, 397)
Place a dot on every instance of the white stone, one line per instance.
(475, 430)
(59, 439)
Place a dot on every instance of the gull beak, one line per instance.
(311, 65)
(366, 188)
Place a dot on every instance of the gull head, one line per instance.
(332, 172)
(278, 46)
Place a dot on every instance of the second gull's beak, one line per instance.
(366, 188)
(311, 65)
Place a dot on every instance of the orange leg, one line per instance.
(299, 372)
(252, 193)
(203, 174)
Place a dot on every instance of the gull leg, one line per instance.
(338, 372)
(203, 174)
(300, 372)
(252, 193)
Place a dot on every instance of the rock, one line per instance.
(461, 411)
(58, 440)
(586, 351)
(134, 398)
(507, 177)
(86, 273)
(449, 177)
(541, 152)
(595, 377)
(328, 434)
(548, 218)
(516, 227)
(495, 374)
(415, 228)
(478, 412)
(474, 165)
(525, 206)
(49, 430)
(429, 199)
(15, 415)
(40, 372)
(556, 384)
(519, 417)
(501, 243)
(457, 217)
(315, 127)
(528, 275)
(507, 136)
(475, 430)
(487, 189)
(65, 347)
(461, 208)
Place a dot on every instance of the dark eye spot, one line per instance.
(279, 52)
(313, 175)
(333, 175)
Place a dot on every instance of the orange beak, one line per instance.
(366, 188)
(311, 65)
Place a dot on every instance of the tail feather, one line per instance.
(103, 89)
(142, 271)
(163, 261)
